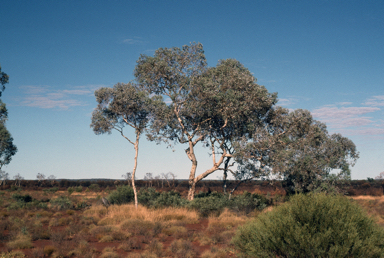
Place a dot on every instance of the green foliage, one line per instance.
(214, 203)
(79, 189)
(7, 148)
(169, 199)
(146, 195)
(248, 202)
(94, 187)
(312, 225)
(51, 190)
(122, 194)
(70, 190)
(4, 79)
(150, 198)
(370, 179)
(21, 198)
(61, 202)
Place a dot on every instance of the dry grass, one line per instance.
(226, 221)
(116, 214)
(374, 205)
(20, 242)
(13, 254)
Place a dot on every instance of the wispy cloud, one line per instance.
(343, 112)
(291, 100)
(48, 97)
(286, 102)
(351, 120)
(342, 117)
(134, 41)
(375, 101)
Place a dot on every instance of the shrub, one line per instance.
(70, 190)
(313, 225)
(13, 254)
(21, 198)
(61, 202)
(51, 190)
(150, 198)
(155, 247)
(212, 204)
(122, 194)
(147, 195)
(182, 248)
(79, 189)
(94, 187)
(169, 199)
(109, 252)
(49, 249)
(137, 226)
(21, 242)
(248, 202)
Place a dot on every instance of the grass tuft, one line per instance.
(21, 242)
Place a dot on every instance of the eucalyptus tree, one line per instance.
(120, 106)
(4, 176)
(7, 148)
(18, 179)
(4, 79)
(206, 105)
(298, 149)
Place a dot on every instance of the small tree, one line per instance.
(380, 176)
(149, 178)
(51, 179)
(123, 105)
(298, 149)
(4, 176)
(40, 178)
(18, 179)
(127, 176)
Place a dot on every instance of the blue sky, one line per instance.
(324, 56)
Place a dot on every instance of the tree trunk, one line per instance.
(191, 181)
(134, 168)
(225, 174)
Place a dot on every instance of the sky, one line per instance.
(323, 56)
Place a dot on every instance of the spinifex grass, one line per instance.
(116, 214)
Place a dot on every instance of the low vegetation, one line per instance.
(59, 223)
(313, 225)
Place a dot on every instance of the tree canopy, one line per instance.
(7, 148)
(122, 105)
(224, 109)
(298, 149)
(211, 105)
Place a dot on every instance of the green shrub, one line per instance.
(79, 189)
(61, 202)
(51, 190)
(70, 190)
(122, 194)
(14, 188)
(313, 225)
(248, 202)
(146, 195)
(213, 203)
(94, 187)
(150, 198)
(21, 198)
